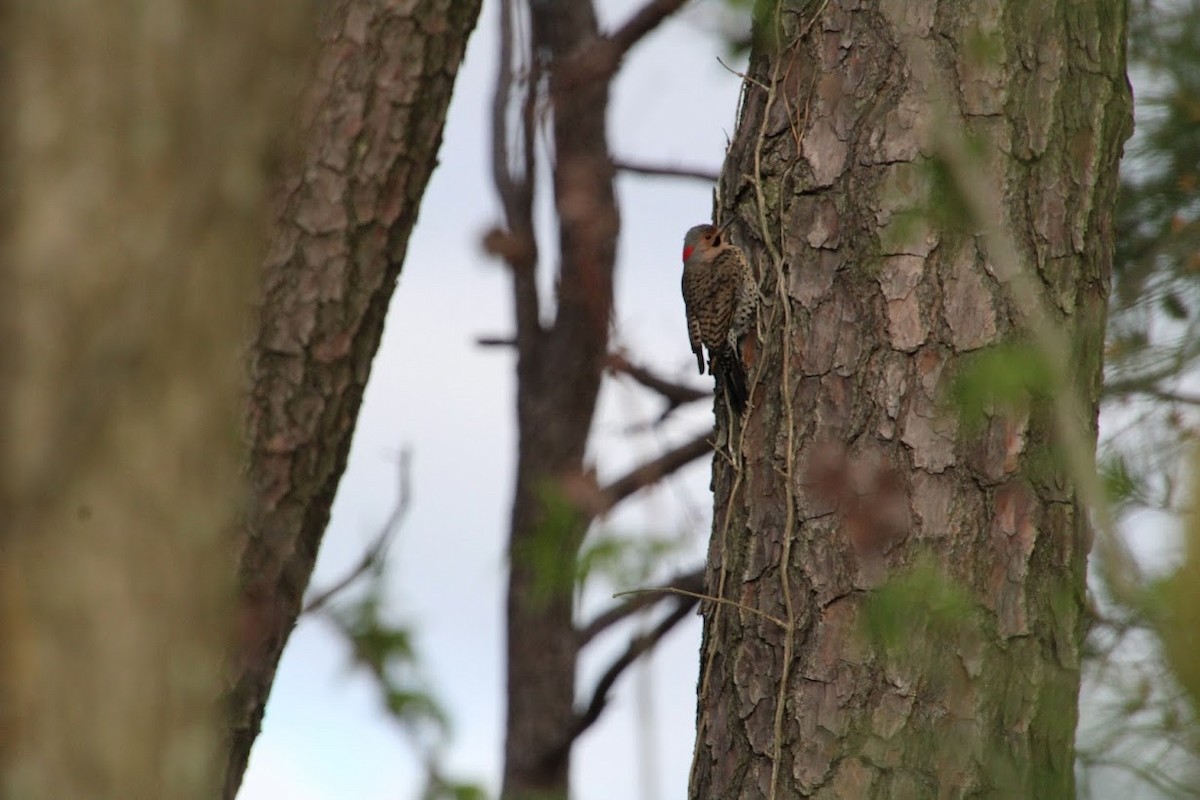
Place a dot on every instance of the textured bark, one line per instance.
(559, 371)
(135, 190)
(853, 468)
(372, 126)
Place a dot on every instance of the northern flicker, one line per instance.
(720, 295)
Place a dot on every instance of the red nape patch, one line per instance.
(687, 252)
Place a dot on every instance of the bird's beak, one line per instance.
(725, 227)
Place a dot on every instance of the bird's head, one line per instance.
(702, 239)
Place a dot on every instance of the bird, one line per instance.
(721, 299)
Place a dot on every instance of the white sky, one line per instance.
(434, 391)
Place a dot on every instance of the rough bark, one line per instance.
(559, 370)
(372, 128)
(851, 467)
(134, 153)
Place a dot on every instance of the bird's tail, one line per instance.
(732, 376)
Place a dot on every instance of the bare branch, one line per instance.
(525, 292)
(1167, 395)
(592, 500)
(1124, 386)
(600, 60)
(507, 187)
(637, 646)
(515, 178)
(652, 472)
(641, 23)
(689, 581)
(743, 75)
(676, 394)
(640, 168)
(496, 341)
(372, 559)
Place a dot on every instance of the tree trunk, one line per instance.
(135, 191)
(559, 371)
(903, 589)
(372, 128)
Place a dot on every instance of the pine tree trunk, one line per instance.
(372, 129)
(904, 590)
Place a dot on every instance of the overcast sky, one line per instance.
(434, 391)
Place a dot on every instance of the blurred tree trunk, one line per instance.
(559, 370)
(372, 128)
(134, 158)
(896, 680)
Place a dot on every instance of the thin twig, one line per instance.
(690, 581)
(496, 341)
(1167, 395)
(718, 600)
(641, 168)
(676, 394)
(742, 75)
(373, 558)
